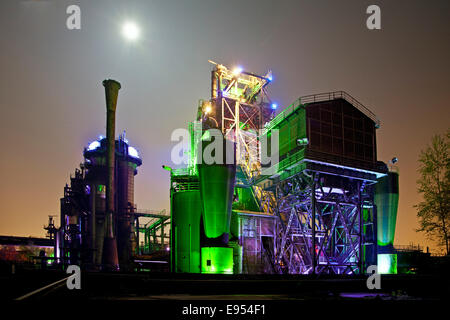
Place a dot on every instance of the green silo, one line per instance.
(386, 201)
(217, 180)
(216, 187)
(186, 212)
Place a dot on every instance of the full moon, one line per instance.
(130, 31)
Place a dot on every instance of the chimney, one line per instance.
(110, 256)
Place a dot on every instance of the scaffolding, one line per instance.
(324, 228)
(153, 229)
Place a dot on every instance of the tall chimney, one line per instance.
(110, 256)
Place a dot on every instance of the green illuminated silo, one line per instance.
(216, 187)
(186, 212)
(217, 180)
(386, 200)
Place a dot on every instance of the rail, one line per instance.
(408, 247)
(320, 97)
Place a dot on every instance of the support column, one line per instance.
(313, 223)
(93, 223)
(361, 228)
(162, 233)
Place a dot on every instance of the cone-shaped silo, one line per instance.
(386, 200)
(217, 173)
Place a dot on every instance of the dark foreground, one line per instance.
(256, 296)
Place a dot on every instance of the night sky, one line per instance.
(52, 101)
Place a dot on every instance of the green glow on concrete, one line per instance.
(387, 263)
(217, 260)
(386, 200)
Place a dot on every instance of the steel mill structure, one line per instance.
(259, 191)
(302, 194)
(100, 226)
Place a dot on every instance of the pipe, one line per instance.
(110, 255)
(93, 223)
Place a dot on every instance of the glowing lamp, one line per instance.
(132, 152)
(387, 263)
(237, 71)
(93, 145)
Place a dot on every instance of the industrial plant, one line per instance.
(300, 191)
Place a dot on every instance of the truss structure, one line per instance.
(324, 228)
(241, 107)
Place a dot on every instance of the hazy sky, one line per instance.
(52, 101)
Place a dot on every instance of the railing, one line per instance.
(320, 97)
(340, 95)
(162, 213)
(408, 247)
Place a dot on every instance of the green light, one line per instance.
(217, 260)
(216, 187)
(387, 263)
(386, 200)
(186, 208)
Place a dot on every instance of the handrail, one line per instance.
(320, 97)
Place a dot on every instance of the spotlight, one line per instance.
(302, 142)
(208, 108)
(274, 106)
(237, 71)
(93, 145)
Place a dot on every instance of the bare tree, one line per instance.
(434, 185)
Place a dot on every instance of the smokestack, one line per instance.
(110, 256)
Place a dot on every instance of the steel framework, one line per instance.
(241, 107)
(326, 223)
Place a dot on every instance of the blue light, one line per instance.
(270, 78)
(274, 106)
(132, 152)
(93, 145)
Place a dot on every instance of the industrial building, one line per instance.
(100, 225)
(324, 205)
(299, 191)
